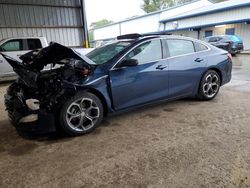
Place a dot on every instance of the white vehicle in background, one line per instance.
(16, 47)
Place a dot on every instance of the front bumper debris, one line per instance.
(29, 119)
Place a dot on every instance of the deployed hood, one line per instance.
(52, 54)
(33, 62)
(27, 75)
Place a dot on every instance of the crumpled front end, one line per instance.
(26, 114)
(33, 102)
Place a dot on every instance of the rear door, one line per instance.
(185, 67)
(146, 82)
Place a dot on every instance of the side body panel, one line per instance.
(144, 83)
(185, 71)
(184, 74)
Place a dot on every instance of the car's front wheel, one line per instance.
(209, 85)
(81, 114)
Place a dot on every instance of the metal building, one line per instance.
(199, 21)
(229, 17)
(60, 21)
(145, 23)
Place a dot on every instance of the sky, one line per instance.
(114, 10)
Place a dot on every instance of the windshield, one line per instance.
(105, 53)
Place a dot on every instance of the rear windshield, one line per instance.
(235, 38)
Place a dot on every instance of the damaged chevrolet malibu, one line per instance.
(134, 71)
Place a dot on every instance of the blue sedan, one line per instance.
(134, 71)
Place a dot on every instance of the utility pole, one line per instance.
(85, 25)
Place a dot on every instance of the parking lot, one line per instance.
(186, 143)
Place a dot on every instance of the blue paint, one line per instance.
(130, 87)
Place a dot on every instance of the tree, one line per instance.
(100, 23)
(218, 1)
(95, 25)
(154, 5)
(178, 2)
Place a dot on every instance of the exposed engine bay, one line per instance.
(42, 90)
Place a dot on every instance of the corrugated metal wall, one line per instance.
(213, 18)
(57, 20)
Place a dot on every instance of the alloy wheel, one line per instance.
(82, 114)
(211, 85)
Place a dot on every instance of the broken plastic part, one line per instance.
(33, 104)
(29, 118)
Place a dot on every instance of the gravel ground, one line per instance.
(185, 143)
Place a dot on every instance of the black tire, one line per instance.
(71, 108)
(208, 90)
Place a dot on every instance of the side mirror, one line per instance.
(128, 63)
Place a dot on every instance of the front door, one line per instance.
(146, 82)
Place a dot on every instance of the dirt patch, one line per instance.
(179, 144)
(22, 149)
(151, 115)
(168, 109)
(105, 123)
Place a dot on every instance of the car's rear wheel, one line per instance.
(81, 114)
(209, 86)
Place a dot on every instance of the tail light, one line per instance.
(230, 43)
(230, 56)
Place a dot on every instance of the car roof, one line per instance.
(142, 37)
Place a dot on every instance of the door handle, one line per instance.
(1, 61)
(198, 60)
(160, 67)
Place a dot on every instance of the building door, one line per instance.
(208, 33)
(230, 31)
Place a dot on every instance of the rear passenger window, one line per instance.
(180, 47)
(34, 44)
(200, 47)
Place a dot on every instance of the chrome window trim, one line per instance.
(113, 68)
(208, 48)
(193, 41)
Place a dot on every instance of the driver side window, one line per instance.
(147, 52)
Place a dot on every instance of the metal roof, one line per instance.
(213, 8)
